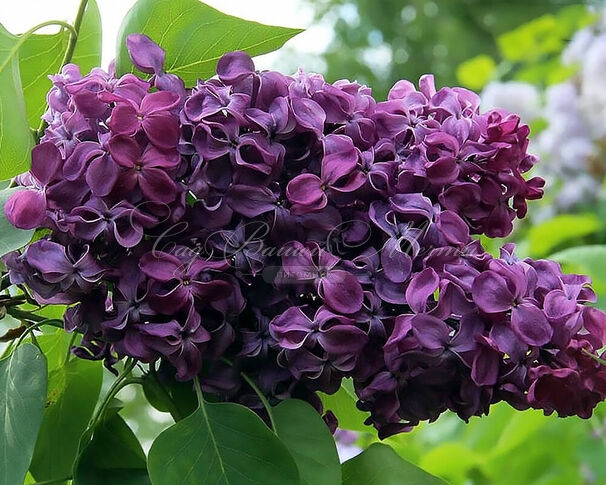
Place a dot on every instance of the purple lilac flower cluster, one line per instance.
(302, 232)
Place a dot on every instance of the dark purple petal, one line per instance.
(421, 287)
(341, 291)
(46, 162)
(491, 293)
(146, 55)
(531, 325)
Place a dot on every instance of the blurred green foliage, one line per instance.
(380, 42)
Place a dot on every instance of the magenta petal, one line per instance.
(490, 293)
(531, 325)
(309, 114)
(46, 161)
(158, 101)
(341, 291)
(340, 158)
(156, 185)
(128, 235)
(306, 189)
(396, 263)
(146, 55)
(162, 129)
(234, 65)
(25, 209)
(211, 290)
(153, 157)
(421, 287)
(84, 152)
(557, 304)
(124, 150)
(102, 175)
(124, 120)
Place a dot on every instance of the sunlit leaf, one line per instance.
(380, 465)
(343, 405)
(42, 55)
(195, 36)
(16, 140)
(476, 72)
(548, 235)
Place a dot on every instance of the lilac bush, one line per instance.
(302, 232)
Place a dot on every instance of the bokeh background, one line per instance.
(543, 59)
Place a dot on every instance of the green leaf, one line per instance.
(380, 465)
(54, 347)
(89, 45)
(476, 72)
(42, 55)
(195, 36)
(548, 235)
(22, 395)
(532, 40)
(73, 390)
(113, 456)
(39, 56)
(16, 140)
(309, 441)
(343, 405)
(11, 238)
(450, 460)
(223, 444)
(181, 394)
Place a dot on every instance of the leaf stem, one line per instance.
(72, 340)
(594, 357)
(121, 381)
(32, 317)
(69, 52)
(258, 392)
(23, 37)
(198, 389)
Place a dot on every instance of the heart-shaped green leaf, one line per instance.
(343, 405)
(309, 441)
(222, 444)
(16, 140)
(22, 396)
(113, 456)
(380, 465)
(195, 36)
(42, 55)
(73, 390)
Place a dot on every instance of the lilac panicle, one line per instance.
(307, 233)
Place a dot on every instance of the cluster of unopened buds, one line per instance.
(302, 232)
